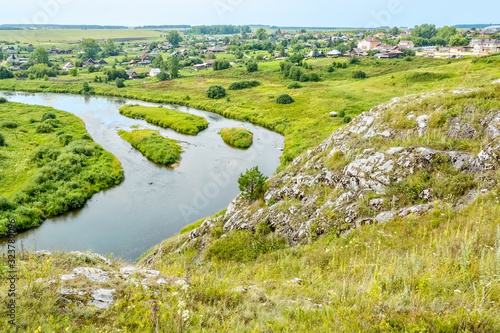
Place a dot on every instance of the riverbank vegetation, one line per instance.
(154, 146)
(48, 165)
(181, 122)
(237, 137)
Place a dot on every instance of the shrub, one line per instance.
(216, 91)
(252, 183)
(86, 89)
(2, 140)
(48, 115)
(359, 75)
(163, 76)
(252, 67)
(354, 61)
(314, 77)
(3, 100)
(44, 128)
(239, 85)
(347, 119)
(221, 64)
(9, 124)
(120, 83)
(5, 73)
(294, 85)
(284, 99)
(73, 72)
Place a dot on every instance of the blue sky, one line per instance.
(323, 13)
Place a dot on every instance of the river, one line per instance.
(154, 202)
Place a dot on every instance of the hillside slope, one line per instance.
(390, 225)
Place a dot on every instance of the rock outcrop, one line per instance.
(408, 156)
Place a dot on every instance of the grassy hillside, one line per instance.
(48, 165)
(306, 122)
(152, 145)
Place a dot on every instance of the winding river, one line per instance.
(154, 202)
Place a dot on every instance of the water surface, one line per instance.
(153, 202)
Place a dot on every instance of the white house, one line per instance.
(154, 72)
(67, 67)
(368, 44)
(485, 45)
(406, 44)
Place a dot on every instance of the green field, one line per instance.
(48, 165)
(47, 36)
(152, 145)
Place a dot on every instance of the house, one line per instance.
(89, 62)
(394, 53)
(132, 75)
(133, 62)
(200, 67)
(67, 67)
(356, 52)
(380, 35)
(145, 59)
(406, 44)
(102, 62)
(368, 44)
(154, 72)
(319, 54)
(485, 45)
(334, 53)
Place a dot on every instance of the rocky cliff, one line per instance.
(409, 156)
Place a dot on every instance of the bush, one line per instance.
(359, 75)
(163, 76)
(314, 77)
(216, 91)
(294, 85)
(284, 99)
(3, 100)
(221, 64)
(9, 124)
(354, 61)
(120, 83)
(347, 119)
(252, 67)
(2, 140)
(44, 128)
(86, 89)
(48, 115)
(239, 85)
(5, 73)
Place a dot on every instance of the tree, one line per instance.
(426, 31)
(120, 83)
(40, 56)
(2, 140)
(173, 66)
(252, 67)
(342, 48)
(394, 31)
(216, 91)
(261, 34)
(174, 38)
(446, 32)
(221, 64)
(5, 73)
(86, 89)
(458, 40)
(252, 184)
(90, 49)
(109, 49)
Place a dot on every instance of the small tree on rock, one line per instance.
(252, 184)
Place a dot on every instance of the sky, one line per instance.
(314, 13)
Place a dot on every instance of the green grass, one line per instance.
(306, 122)
(181, 122)
(154, 146)
(237, 137)
(48, 166)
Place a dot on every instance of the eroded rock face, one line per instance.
(350, 179)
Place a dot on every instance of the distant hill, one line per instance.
(468, 26)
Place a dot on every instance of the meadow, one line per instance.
(306, 122)
(48, 164)
(154, 146)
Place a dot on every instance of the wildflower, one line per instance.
(175, 293)
(181, 304)
(458, 291)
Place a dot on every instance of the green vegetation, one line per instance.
(252, 184)
(239, 85)
(237, 137)
(49, 166)
(181, 122)
(216, 91)
(252, 67)
(284, 99)
(294, 85)
(359, 75)
(154, 146)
